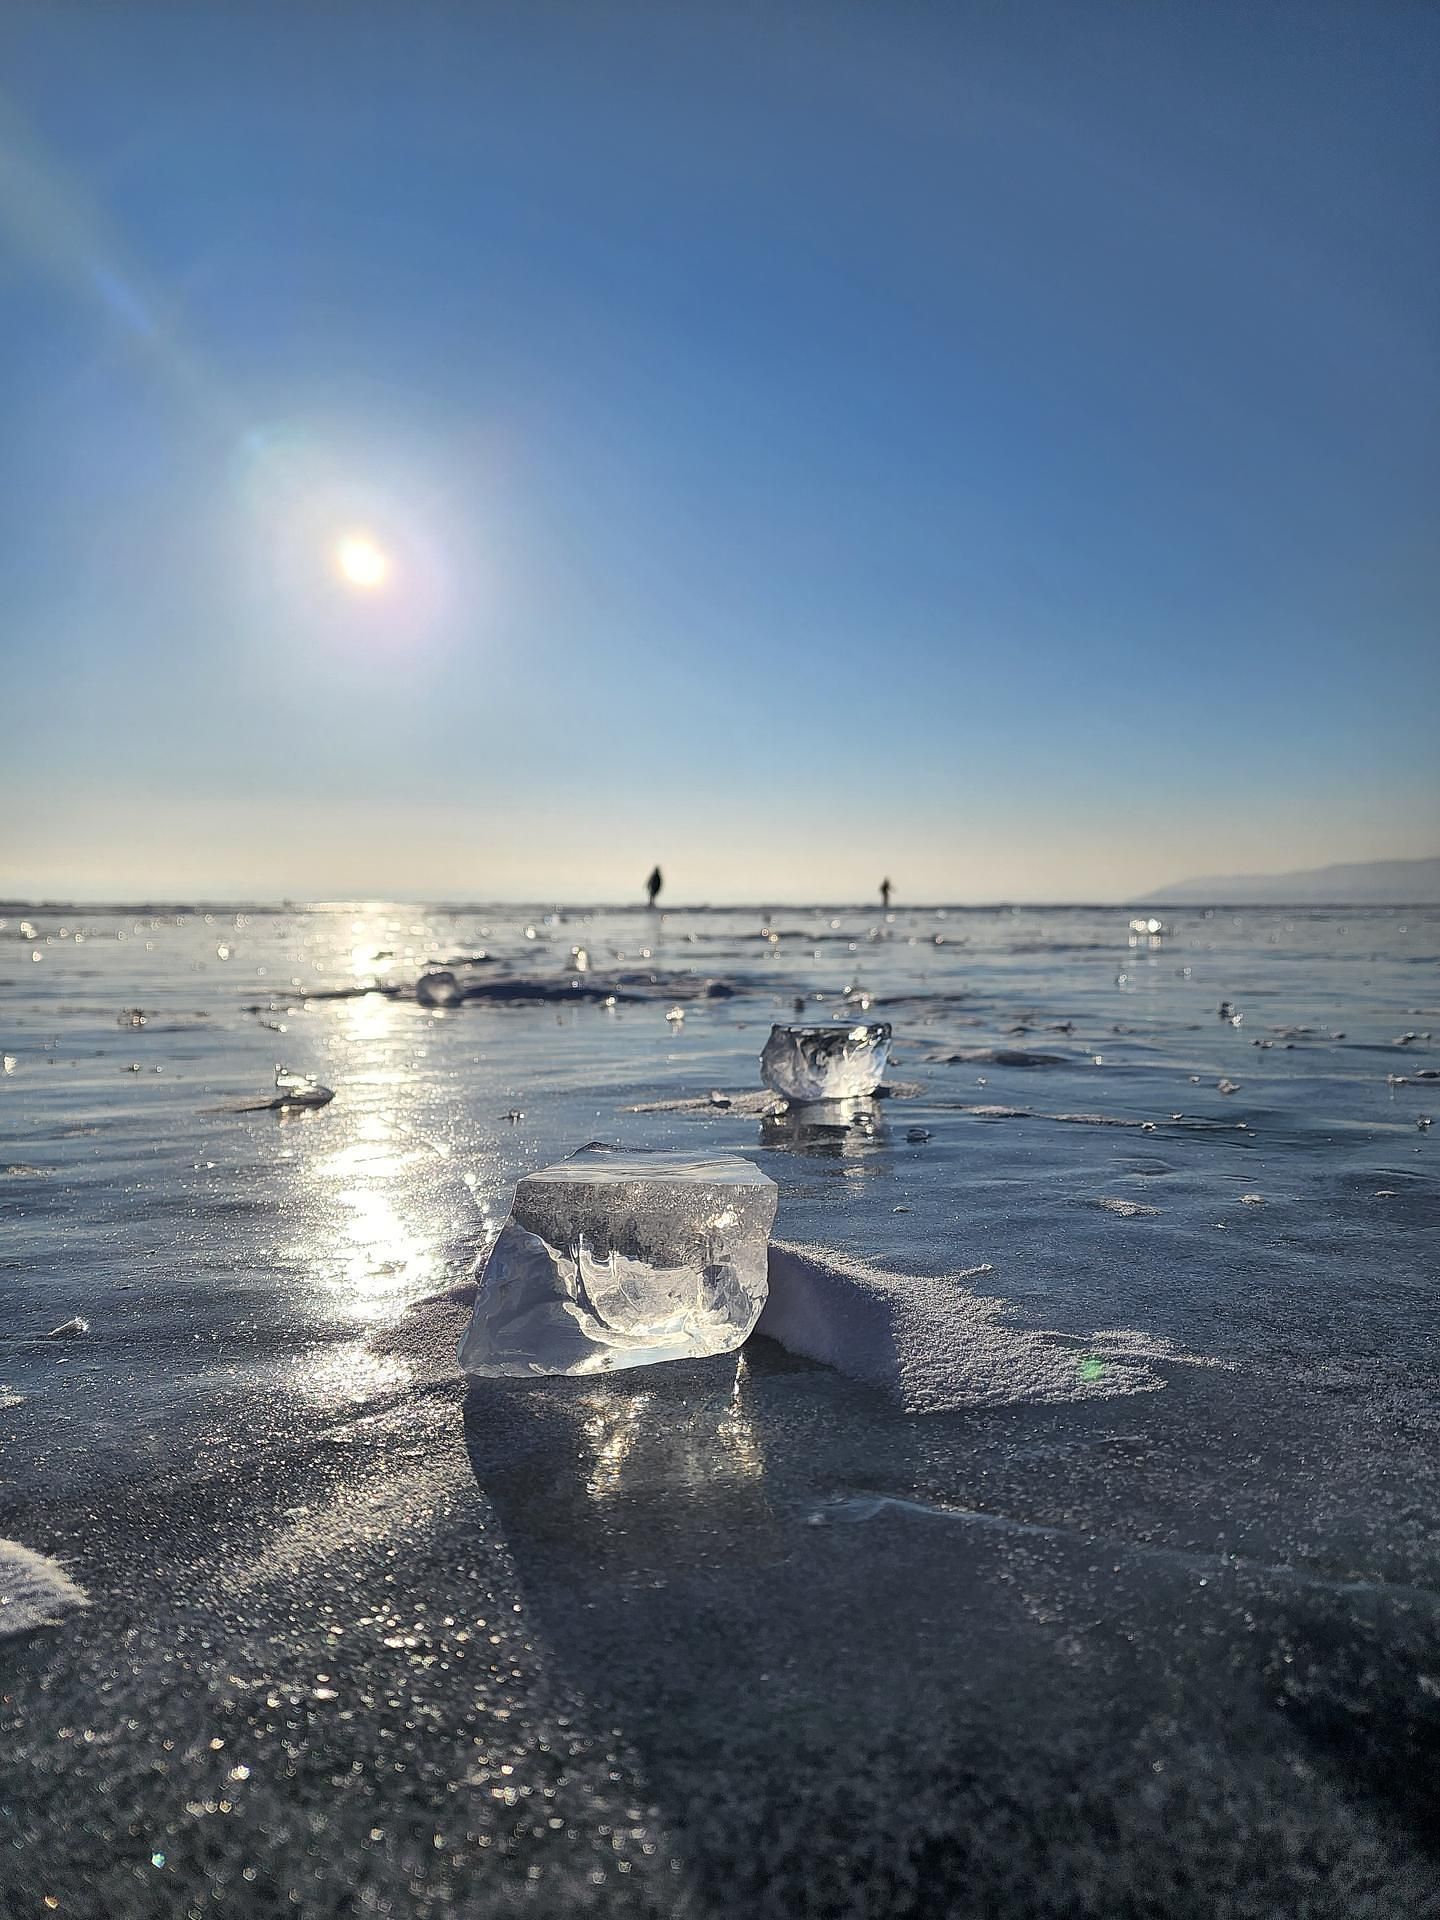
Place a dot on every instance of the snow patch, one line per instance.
(34, 1591)
(929, 1340)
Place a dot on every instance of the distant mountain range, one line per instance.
(1379, 883)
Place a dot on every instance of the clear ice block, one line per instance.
(617, 1258)
(840, 1061)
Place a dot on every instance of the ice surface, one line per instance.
(620, 1259)
(834, 1062)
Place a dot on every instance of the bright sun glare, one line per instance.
(362, 562)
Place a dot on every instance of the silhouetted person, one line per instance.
(885, 894)
(654, 883)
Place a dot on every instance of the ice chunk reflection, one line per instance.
(833, 1129)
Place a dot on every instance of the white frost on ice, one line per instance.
(929, 1340)
(34, 1591)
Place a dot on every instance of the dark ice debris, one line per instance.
(133, 1017)
(996, 1057)
(523, 992)
(388, 990)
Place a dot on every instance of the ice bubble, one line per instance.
(837, 1061)
(618, 1259)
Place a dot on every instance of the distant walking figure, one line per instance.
(654, 883)
(885, 893)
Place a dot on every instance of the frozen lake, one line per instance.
(1120, 1594)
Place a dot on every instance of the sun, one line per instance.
(363, 563)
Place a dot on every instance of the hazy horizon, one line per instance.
(444, 902)
(478, 455)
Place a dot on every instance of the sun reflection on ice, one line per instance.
(350, 1375)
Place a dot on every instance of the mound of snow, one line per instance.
(34, 1591)
(931, 1341)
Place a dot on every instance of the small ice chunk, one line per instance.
(438, 988)
(621, 1259)
(837, 1061)
(299, 1090)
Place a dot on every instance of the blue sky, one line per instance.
(997, 445)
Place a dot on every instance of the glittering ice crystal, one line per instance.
(617, 1258)
(839, 1061)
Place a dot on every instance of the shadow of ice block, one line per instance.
(841, 1060)
(618, 1259)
